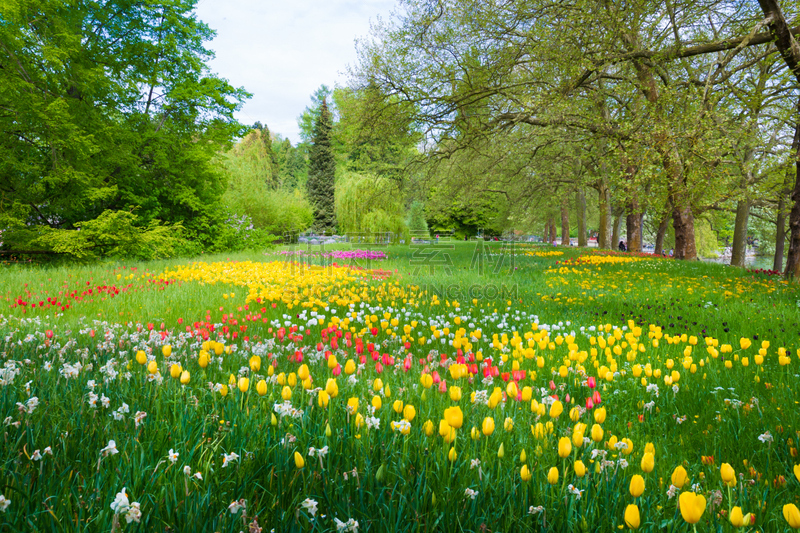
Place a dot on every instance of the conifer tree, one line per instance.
(321, 173)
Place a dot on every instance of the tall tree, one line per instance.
(322, 173)
(108, 106)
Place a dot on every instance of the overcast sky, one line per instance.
(281, 51)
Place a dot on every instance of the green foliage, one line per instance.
(416, 218)
(707, 244)
(366, 203)
(108, 106)
(114, 234)
(322, 173)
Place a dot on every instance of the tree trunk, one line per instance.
(790, 51)
(739, 248)
(633, 226)
(662, 232)
(780, 235)
(564, 223)
(551, 230)
(605, 214)
(580, 207)
(615, 235)
(793, 259)
(683, 224)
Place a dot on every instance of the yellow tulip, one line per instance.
(728, 474)
(398, 406)
(223, 390)
(632, 518)
(166, 350)
(454, 416)
(152, 367)
(349, 367)
(556, 409)
(792, 515)
(446, 431)
(637, 486)
(629, 449)
(475, 433)
(428, 428)
(580, 468)
(377, 402)
(564, 447)
(692, 506)
(302, 372)
(487, 428)
(575, 413)
(797, 472)
(352, 405)
(679, 477)
(175, 370)
(648, 462)
(332, 362)
(202, 360)
(736, 517)
(261, 388)
(409, 413)
(525, 473)
(452, 455)
(597, 433)
(255, 364)
(141, 357)
(552, 476)
(508, 425)
(185, 377)
(299, 462)
(455, 393)
(377, 384)
(286, 393)
(323, 398)
(523, 457)
(511, 390)
(332, 388)
(600, 415)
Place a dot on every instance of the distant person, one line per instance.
(622, 247)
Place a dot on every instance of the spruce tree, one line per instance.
(416, 219)
(321, 173)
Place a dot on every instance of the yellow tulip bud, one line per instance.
(501, 452)
(185, 377)
(409, 413)
(452, 455)
(152, 367)
(552, 475)
(323, 398)
(728, 474)
(648, 462)
(377, 402)
(636, 487)
(166, 350)
(600, 415)
(597, 433)
(525, 473)
(487, 428)
(792, 515)
(736, 518)
(580, 468)
(299, 462)
(564, 447)
(286, 393)
(175, 370)
(508, 425)
(679, 477)
(141, 357)
(632, 518)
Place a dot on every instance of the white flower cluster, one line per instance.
(287, 409)
(130, 510)
(350, 525)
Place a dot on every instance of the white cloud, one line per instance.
(282, 51)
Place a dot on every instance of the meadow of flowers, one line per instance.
(606, 392)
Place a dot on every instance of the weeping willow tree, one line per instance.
(367, 203)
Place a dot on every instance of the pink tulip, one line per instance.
(443, 386)
(589, 403)
(337, 370)
(591, 382)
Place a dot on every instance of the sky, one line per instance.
(282, 51)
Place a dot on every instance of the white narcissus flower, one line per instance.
(134, 514)
(4, 503)
(48, 451)
(121, 502)
(173, 456)
(198, 475)
(111, 449)
(37, 456)
(237, 506)
(187, 470)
